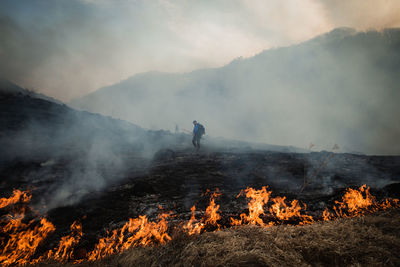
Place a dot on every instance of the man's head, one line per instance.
(194, 122)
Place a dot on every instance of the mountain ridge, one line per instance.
(342, 31)
(343, 77)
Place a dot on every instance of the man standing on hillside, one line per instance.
(198, 131)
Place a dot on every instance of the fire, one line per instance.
(284, 212)
(65, 249)
(192, 226)
(139, 231)
(18, 196)
(210, 217)
(279, 209)
(356, 200)
(258, 198)
(326, 215)
(19, 239)
(22, 241)
(359, 202)
(390, 203)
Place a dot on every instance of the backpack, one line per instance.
(201, 130)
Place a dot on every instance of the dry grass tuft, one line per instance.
(368, 241)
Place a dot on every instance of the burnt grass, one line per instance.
(373, 240)
(176, 179)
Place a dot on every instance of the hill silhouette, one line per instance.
(340, 87)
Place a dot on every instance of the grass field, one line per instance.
(373, 240)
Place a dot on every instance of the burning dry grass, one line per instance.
(373, 240)
(17, 196)
(250, 240)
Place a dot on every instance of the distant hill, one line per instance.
(69, 153)
(341, 87)
(34, 126)
(7, 87)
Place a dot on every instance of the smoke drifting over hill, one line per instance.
(341, 87)
(67, 49)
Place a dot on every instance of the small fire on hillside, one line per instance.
(17, 196)
(21, 237)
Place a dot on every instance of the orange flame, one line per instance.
(211, 216)
(258, 198)
(326, 215)
(359, 202)
(390, 203)
(192, 227)
(280, 210)
(142, 232)
(17, 196)
(284, 212)
(355, 202)
(22, 241)
(65, 249)
(19, 241)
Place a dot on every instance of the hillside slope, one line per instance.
(101, 172)
(65, 152)
(68, 153)
(341, 87)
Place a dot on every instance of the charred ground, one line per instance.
(49, 147)
(177, 180)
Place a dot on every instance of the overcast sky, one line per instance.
(68, 48)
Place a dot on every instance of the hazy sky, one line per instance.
(69, 48)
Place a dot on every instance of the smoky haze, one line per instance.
(340, 87)
(67, 154)
(343, 92)
(66, 49)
